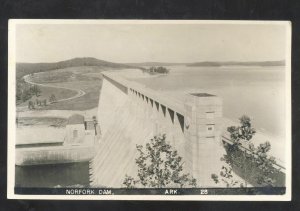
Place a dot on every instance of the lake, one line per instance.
(258, 92)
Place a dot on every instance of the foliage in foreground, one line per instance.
(159, 166)
(254, 161)
(226, 177)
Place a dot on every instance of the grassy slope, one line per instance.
(88, 101)
(46, 92)
(78, 73)
(87, 79)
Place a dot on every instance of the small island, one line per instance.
(156, 70)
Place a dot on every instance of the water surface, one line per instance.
(258, 92)
(58, 175)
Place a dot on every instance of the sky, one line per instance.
(127, 43)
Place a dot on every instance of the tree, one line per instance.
(162, 70)
(153, 70)
(52, 98)
(243, 132)
(19, 91)
(37, 102)
(159, 166)
(251, 161)
(45, 102)
(35, 90)
(30, 105)
(25, 95)
(227, 177)
(265, 163)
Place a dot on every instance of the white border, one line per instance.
(12, 114)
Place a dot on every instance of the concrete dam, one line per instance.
(130, 113)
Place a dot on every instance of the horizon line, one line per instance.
(88, 57)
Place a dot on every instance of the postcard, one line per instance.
(149, 110)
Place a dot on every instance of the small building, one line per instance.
(75, 129)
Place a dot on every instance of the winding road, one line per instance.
(79, 91)
(23, 111)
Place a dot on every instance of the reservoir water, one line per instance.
(258, 92)
(50, 176)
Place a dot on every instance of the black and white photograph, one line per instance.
(149, 109)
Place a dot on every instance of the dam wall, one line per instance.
(131, 114)
(112, 99)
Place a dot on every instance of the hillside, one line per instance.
(211, 63)
(28, 68)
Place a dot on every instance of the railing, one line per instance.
(144, 92)
(277, 165)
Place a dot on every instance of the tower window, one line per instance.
(210, 128)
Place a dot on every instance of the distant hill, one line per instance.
(232, 63)
(210, 63)
(155, 64)
(28, 68)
